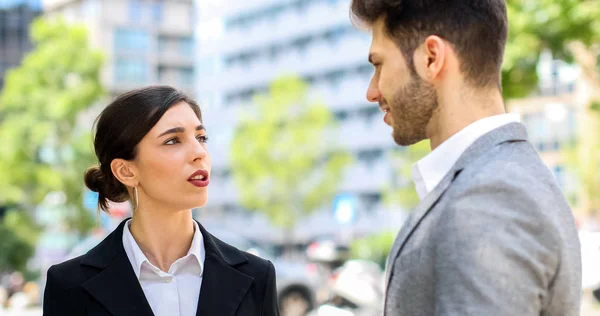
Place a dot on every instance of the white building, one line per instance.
(244, 45)
(144, 41)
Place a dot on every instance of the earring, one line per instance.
(135, 192)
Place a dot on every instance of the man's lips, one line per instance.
(385, 109)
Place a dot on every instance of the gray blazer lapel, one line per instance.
(506, 133)
(413, 221)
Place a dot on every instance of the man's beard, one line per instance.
(411, 108)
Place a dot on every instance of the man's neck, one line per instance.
(459, 110)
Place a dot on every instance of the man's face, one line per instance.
(407, 99)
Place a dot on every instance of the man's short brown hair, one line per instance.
(476, 29)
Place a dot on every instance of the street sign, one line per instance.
(345, 208)
(90, 200)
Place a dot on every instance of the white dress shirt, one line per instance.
(172, 293)
(429, 171)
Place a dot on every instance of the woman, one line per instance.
(151, 146)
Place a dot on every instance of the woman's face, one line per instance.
(172, 163)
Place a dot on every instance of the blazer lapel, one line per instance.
(115, 287)
(223, 286)
(414, 219)
(506, 133)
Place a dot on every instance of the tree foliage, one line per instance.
(401, 192)
(544, 24)
(282, 162)
(43, 150)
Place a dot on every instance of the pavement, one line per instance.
(588, 308)
(34, 311)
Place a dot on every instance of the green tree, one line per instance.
(582, 159)
(18, 233)
(43, 148)
(281, 159)
(401, 192)
(568, 28)
(375, 247)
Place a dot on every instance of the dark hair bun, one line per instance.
(94, 179)
(108, 188)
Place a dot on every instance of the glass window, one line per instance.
(131, 70)
(559, 174)
(157, 11)
(163, 44)
(186, 76)
(541, 147)
(186, 46)
(131, 40)
(135, 10)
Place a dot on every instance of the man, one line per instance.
(493, 234)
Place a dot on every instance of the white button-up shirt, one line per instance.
(428, 172)
(172, 293)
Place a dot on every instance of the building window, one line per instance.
(559, 174)
(131, 70)
(541, 147)
(370, 156)
(131, 40)
(135, 10)
(157, 11)
(186, 46)
(163, 44)
(341, 115)
(186, 76)
(556, 145)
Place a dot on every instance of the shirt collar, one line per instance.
(137, 257)
(429, 171)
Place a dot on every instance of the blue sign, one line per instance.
(90, 200)
(344, 208)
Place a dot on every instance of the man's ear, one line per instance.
(430, 58)
(124, 171)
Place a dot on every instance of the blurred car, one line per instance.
(357, 290)
(297, 281)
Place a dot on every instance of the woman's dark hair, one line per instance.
(120, 127)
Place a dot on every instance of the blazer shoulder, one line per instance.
(258, 266)
(252, 265)
(67, 273)
(515, 165)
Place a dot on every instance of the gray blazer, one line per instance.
(495, 237)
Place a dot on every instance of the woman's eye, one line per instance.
(202, 138)
(171, 141)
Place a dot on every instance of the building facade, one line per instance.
(553, 116)
(245, 45)
(15, 20)
(144, 41)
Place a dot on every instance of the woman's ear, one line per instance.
(124, 171)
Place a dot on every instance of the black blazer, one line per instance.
(102, 282)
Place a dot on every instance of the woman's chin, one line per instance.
(200, 202)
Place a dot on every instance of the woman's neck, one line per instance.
(163, 236)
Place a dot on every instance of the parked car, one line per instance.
(357, 290)
(297, 281)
